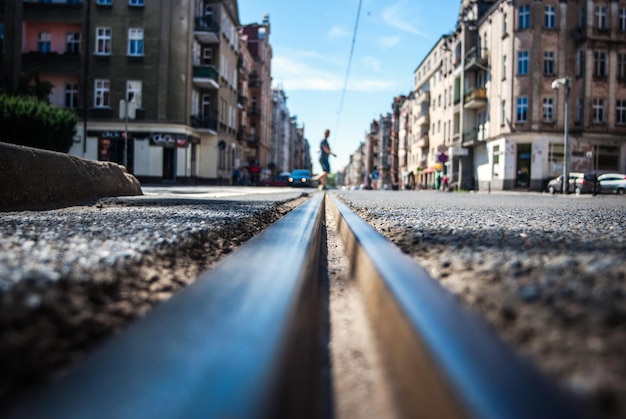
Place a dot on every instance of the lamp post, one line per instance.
(127, 110)
(555, 85)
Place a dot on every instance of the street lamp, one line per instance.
(127, 110)
(555, 85)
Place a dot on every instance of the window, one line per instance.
(598, 110)
(522, 63)
(503, 113)
(620, 109)
(601, 17)
(504, 67)
(104, 2)
(133, 92)
(580, 62)
(549, 63)
(548, 109)
(556, 157)
(524, 17)
(102, 94)
(579, 111)
(607, 157)
(135, 41)
(135, 2)
(522, 109)
(621, 66)
(622, 20)
(582, 17)
(43, 42)
(103, 41)
(550, 17)
(71, 95)
(72, 43)
(207, 56)
(505, 25)
(599, 59)
(495, 168)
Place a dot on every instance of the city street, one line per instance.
(546, 271)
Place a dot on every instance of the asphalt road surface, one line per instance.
(547, 271)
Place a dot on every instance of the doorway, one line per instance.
(524, 154)
(169, 164)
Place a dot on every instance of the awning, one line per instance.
(428, 170)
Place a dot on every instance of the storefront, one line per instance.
(150, 156)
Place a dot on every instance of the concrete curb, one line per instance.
(33, 179)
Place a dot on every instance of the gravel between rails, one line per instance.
(547, 272)
(71, 278)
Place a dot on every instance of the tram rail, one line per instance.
(246, 340)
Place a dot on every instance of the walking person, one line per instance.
(324, 154)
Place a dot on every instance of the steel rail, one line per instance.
(244, 341)
(443, 360)
(231, 345)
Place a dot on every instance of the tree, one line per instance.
(30, 85)
(34, 123)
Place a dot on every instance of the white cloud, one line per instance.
(389, 41)
(371, 62)
(308, 71)
(402, 16)
(370, 85)
(338, 32)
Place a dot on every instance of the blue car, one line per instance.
(301, 177)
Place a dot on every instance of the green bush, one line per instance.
(30, 122)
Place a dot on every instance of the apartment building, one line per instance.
(281, 157)
(258, 147)
(493, 120)
(155, 84)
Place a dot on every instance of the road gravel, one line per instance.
(71, 278)
(547, 272)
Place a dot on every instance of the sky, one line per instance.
(341, 81)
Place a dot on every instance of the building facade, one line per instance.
(483, 111)
(258, 147)
(500, 121)
(158, 86)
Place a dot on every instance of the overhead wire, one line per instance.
(345, 84)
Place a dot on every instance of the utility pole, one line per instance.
(127, 110)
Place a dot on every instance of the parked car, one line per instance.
(612, 183)
(578, 183)
(301, 177)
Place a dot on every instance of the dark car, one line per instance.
(279, 180)
(578, 183)
(612, 183)
(301, 177)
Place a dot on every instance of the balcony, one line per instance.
(473, 136)
(204, 123)
(476, 60)
(207, 30)
(423, 119)
(422, 97)
(52, 63)
(253, 140)
(206, 77)
(475, 98)
(242, 100)
(423, 140)
(254, 111)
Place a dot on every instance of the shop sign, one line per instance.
(168, 140)
(458, 151)
(111, 134)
